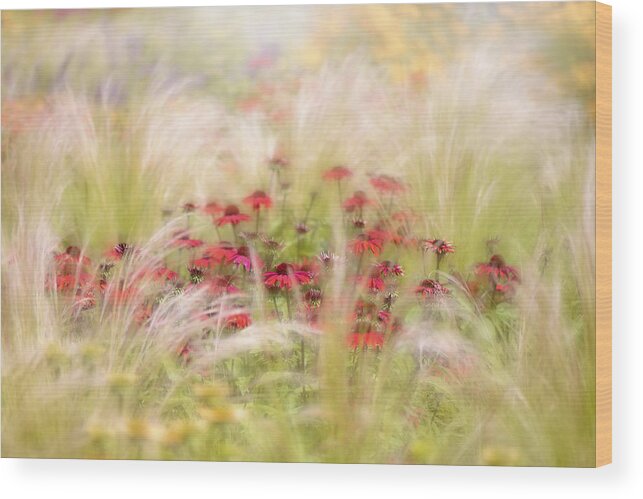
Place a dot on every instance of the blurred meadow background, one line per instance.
(356, 234)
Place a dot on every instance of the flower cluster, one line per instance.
(381, 235)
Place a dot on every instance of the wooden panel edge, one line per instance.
(603, 234)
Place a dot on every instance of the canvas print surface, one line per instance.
(335, 234)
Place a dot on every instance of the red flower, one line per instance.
(212, 208)
(184, 241)
(498, 269)
(285, 275)
(238, 321)
(379, 233)
(384, 316)
(375, 283)
(232, 215)
(357, 201)
(371, 339)
(258, 199)
(429, 288)
(120, 251)
(196, 274)
(359, 223)
(438, 246)
(387, 268)
(184, 352)
(220, 285)
(71, 282)
(241, 257)
(313, 297)
(327, 258)
(365, 242)
(337, 173)
(385, 183)
(72, 256)
(215, 255)
(310, 266)
(163, 273)
(365, 315)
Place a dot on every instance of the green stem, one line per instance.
(274, 302)
(302, 347)
(288, 306)
(358, 269)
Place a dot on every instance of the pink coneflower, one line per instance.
(383, 234)
(431, 288)
(498, 269)
(504, 288)
(365, 315)
(356, 202)
(388, 184)
(310, 266)
(219, 250)
(72, 282)
(371, 339)
(365, 242)
(271, 244)
(215, 255)
(72, 256)
(212, 208)
(163, 273)
(285, 275)
(185, 242)
(374, 282)
(196, 274)
(219, 285)
(359, 223)
(120, 251)
(327, 258)
(438, 246)
(257, 200)
(238, 321)
(241, 257)
(232, 215)
(189, 207)
(337, 173)
(184, 352)
(313, 297)
(387, 268)
(384, 316)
